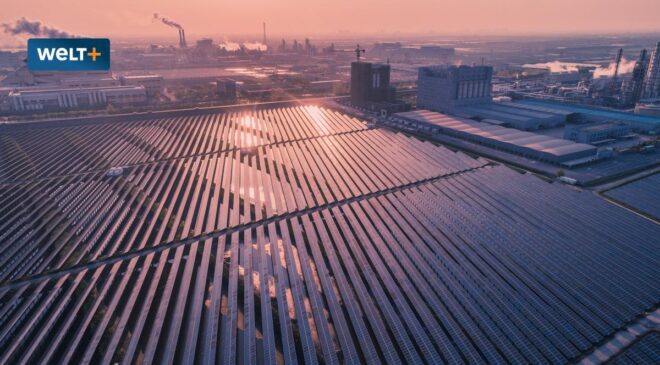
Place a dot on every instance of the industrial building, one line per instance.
(370, 83)
(445, 88)
(638, 122)
(87, 82)
(651, 109)
(152, 83)
(297, 235)
(226, 89)
(30, 100)
(22, 77)
(596, 133)
(534, 146)
(371, 90)
(324, 86)
(516, 115)
(10, 60)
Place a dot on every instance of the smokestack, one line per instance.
(182, 41)
(34, 28)
(171, 23)
(264, 42)
(617, 63)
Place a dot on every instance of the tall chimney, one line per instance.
(264, 42)
(617, 63)
(182, 42)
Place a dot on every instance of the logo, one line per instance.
(68, 54)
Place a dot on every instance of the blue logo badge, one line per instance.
(68, 54)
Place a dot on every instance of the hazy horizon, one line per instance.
(341, 18)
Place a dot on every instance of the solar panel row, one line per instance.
(640, 194)
(65, 221)
(645, 351)
(45, 152)
(356, 247)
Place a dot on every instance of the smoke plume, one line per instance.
(248, 46)
(166, 21)
(34, 28)
(230, 46)
(625, 67)
(255, 46)
(558, 66)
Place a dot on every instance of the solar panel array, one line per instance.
(645, 351)
(295, 235)
(641, 194)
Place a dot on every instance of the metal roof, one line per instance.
(532, 141)
(599, 112)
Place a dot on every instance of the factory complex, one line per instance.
(538, 147)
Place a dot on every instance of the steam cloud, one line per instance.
(230, 46)
(255, 46)
(558, 66)
(249, 46)
(34, 28)
(625, 67)
(166, 21)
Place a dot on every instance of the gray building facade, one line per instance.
(596, 133)
(444, 88)
(370, 82)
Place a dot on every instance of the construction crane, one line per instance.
(358, 51)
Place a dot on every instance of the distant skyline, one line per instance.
(130, 18)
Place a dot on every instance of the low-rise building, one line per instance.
(594, 133)
(29, 99)
(324, 86)
(10, 60)
(370, 82)
(648, 108)
(637, 121)
(152, 83)
(227, 89)
(86, 82)
(516, 115)
(527, 144)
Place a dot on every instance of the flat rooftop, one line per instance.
(536, 142)
(33, 91)
(519, 115)
(599, 127)
(142, 77)
(605, 114)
